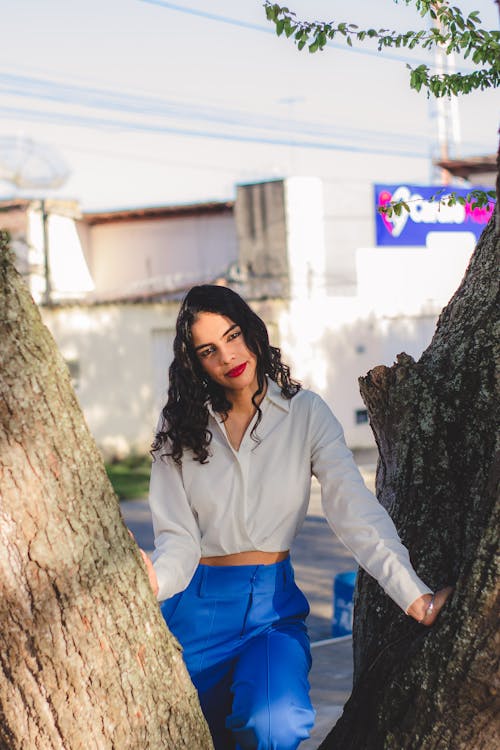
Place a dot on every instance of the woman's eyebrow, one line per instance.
(202, 346)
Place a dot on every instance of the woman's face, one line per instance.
(223, 353)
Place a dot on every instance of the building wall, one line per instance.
(118, 356)
(261, 224)
(348, 225)
(305, 226)
(330, 343)
(15, 222)
(138, 256)
(69, 273)
(119, 353)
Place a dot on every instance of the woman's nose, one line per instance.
(226, 355)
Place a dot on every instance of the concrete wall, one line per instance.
(69, 273)
(118, 356)
(261, 224)
(390, 303)
(332, 342)
(130, 257)
(349, 224)
(15, 222)
(329, 338)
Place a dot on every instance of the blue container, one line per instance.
(343, 591)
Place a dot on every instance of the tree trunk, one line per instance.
(86, 661)
(435, 422)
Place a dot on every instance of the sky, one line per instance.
(147, 102)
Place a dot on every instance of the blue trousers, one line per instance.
(245, 644)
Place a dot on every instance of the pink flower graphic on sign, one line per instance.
(480, 215)
(383, 199)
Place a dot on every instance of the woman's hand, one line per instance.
(420, 610)
(153, 580)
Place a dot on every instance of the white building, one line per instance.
(110, 284)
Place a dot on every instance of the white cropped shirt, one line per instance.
(256, 498)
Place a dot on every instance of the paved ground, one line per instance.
(317, 557)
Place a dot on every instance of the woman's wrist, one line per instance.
(419, 609)
(426, 608)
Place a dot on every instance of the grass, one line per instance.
(130, 477)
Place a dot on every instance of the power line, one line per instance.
(30, 87)
(49, 90)
(115, 124)
(386, 56)
(211, 16)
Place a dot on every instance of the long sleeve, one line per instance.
(354, 513)
(177, 537)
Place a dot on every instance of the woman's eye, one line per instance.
(234, 335)
(205, 352)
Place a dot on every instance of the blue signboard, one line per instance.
(424, 216)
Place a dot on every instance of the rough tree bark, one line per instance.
(86, 661)
(435, 422)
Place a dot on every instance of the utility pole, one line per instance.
(47, 296)
(448, 123)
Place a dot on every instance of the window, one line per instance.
(361, 416)
(73, 366)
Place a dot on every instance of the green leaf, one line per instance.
(457, 33)
(269, 13)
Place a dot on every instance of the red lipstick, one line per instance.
(236, 371)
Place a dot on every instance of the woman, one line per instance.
(234, 452)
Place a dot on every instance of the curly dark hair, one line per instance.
(184, 423)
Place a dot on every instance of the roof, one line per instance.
(60, 206)
(158, 212)
(14, 204)
(469, 166)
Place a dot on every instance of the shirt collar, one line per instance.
(273, 394)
